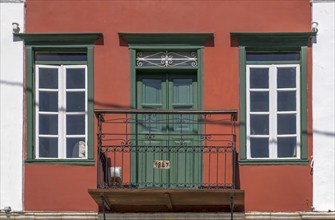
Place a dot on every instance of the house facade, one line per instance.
(11, 105)
(323, 106)
(178, 108)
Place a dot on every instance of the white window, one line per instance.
(273, 111)
(61, 111)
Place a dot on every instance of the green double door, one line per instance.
(168, 154)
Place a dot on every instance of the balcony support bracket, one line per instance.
(168, 200)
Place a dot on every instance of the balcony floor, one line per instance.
(165, 200)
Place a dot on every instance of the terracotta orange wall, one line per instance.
(268, 188)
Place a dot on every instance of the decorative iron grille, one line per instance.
(166, 59)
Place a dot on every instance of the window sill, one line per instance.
(85, 162)
(274, 162)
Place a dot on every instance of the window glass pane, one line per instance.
(259, 101)
(48, 147)
(75, 78)
(287, 147)
(75, 101)
(259, 147)
(75, 148)
(286, 101)
(48, 78)
(182, 91)
(286, 124)
(75, 124)
(286, 77)
(272, 56)
(48, 101)
(259, 78)
(48, 124)
(152, 91)
(259, 124)
(40, 56)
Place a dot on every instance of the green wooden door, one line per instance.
(168, 138)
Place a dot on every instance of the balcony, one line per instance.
(167, 160)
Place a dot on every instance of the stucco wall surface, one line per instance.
(324, 107)
(268, 187)
(11, 106)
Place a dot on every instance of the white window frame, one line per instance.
(61, 111)
(273, 110)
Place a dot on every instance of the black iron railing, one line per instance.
(183, 149)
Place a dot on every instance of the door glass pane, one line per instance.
(48, 147)
(182, 91)
(259, 101)
(259, 147)
(286, 101)
(48, 78)
(287, 147)
(75, 124)
(75, 148)
(286, 77)
(259, 124)
(48, 101)
(287, 124)
(259, 78)
(152, 91)
(75, 78)
(75, 101)
(48, 124)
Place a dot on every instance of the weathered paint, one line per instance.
(268, 187)
(324, 106)
(11, 106)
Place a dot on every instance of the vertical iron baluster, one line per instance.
(209, 166)
(225, 168)
(217, 167)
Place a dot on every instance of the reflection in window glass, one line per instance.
(286, 77)
(48, 101)
(259, 101)
(259, 78)
(48, 124)
(259, 147)
(75, 124)
(48, 78)
(75, 148)
(286, 101)
(75, 78)
(286, 124)
(259, 124)
(287, 147)
(48, 147)
(75, 101)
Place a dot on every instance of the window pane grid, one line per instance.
(286, 98)
(55, 146)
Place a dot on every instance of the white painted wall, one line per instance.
(11, 106)
(324, 106)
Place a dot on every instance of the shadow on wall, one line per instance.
(117, 106)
